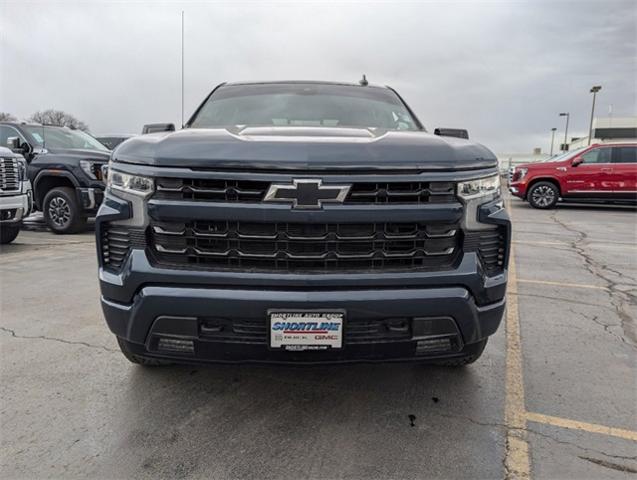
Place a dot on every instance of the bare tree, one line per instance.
(7, 117)
(58, 118)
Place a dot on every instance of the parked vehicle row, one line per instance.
(598, 173)
(65, 170)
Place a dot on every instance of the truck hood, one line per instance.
(81, 154)
(299, 148)
(8, 153)
(535, 165)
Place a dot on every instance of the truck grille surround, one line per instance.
(312, 247)
(9, 175)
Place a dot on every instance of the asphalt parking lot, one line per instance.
(554, 395)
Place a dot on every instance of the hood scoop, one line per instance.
(304, 148)
(306, 132)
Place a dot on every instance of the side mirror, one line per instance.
(158, 127)
(104, 169)
(577, 161)
(20, 147)
(452, 132)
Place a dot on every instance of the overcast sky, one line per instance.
(503, 70)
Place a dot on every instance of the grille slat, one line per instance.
(290, 246)
(250, 191)
(9, 175)
(117, 242)
(490, 246)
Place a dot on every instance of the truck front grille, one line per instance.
(304, 247)
(9, 175)
(251, 191)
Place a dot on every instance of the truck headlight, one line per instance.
(480, 187)
(92, 169)
(125, 182)
(519, 173)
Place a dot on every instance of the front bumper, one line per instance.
(518, 189)
(90, 198)
(13, 208)
(143, 302)
(178, 312)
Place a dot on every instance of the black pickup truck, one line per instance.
(64, 166)
(302, 222)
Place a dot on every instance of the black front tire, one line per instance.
(138, 359)
(62, 211)
(8, 233)
(471, 354)
(543, 195)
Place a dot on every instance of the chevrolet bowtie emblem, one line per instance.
(307, 193)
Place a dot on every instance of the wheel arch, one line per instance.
(49, 179)
(552, 180)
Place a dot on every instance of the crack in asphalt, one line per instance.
(611, 465)
(60, 340)
(605, 326)
(619, 298)
(21, 247)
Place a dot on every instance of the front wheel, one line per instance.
(62, 211)
(8, 233)
(543, 195)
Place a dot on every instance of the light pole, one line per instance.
(552, 139)
(594, 91)
(567, 115)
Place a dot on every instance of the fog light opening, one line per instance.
(434, 345)
(176, 345)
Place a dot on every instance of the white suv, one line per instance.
(16, 197)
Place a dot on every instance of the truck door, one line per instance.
(593, 177)
(625, 169)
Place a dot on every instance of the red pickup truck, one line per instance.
(598, 173)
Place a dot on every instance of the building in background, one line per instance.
(608, 130)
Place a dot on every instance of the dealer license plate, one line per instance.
(309, 330)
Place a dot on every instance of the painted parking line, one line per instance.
(602, 245)
(548, 244)
(584, 426)
(562, 284)
(516, 460)
(517, 455)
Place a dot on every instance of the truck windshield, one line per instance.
(306, 105)
(62, 137)
(564, 156)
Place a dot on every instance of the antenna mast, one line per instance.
(182, 69)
